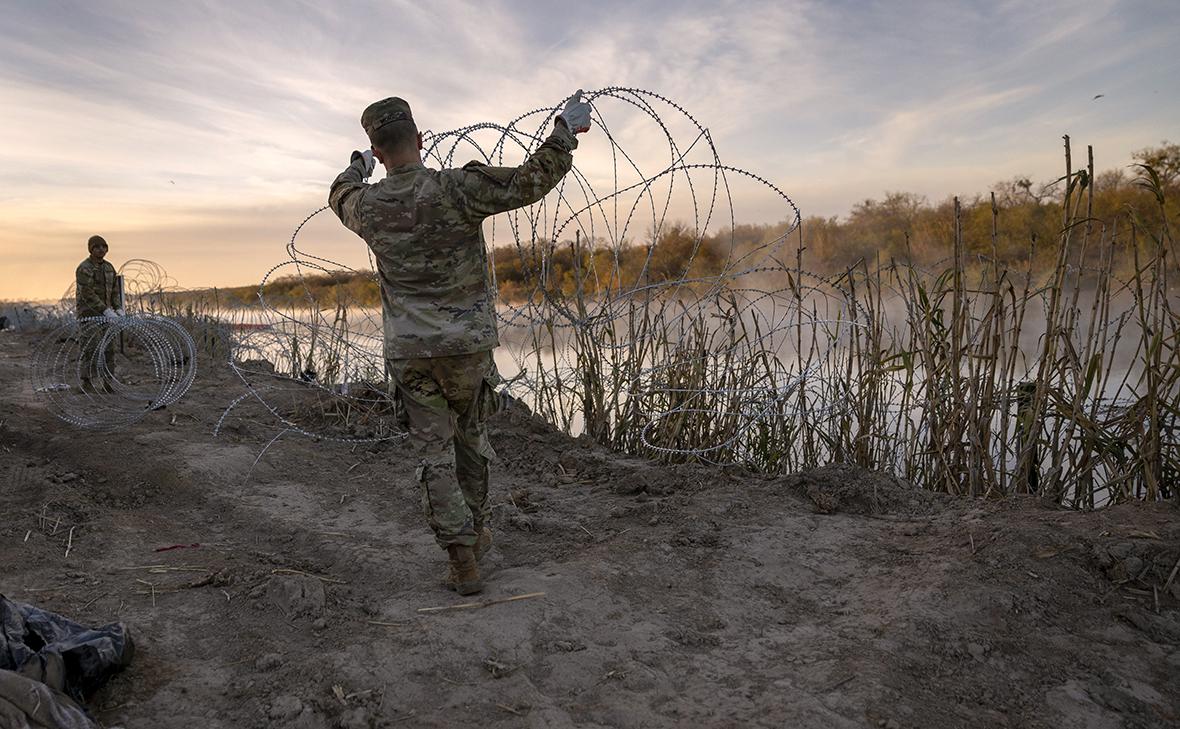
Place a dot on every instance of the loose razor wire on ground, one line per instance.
(106, 373)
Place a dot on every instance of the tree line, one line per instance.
(1016, 224)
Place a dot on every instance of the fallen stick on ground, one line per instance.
(838, 684)
(485, 603)
(1172, 576)
(164, 567)
(159, 569)
(92, 601)
(289, 571)
(151, 585)
(177, 546)
(202, 581)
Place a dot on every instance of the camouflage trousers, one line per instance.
(447, 402)
(90, 337)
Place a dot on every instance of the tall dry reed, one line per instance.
(968, 378)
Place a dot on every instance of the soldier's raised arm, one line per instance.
(341, 197)
(489, 190)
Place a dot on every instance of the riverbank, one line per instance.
(284, 587)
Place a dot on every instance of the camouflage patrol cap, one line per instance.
(383, 112)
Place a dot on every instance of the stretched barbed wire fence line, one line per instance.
(106, 373)
(636, 309)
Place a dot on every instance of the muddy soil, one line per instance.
(672, 596)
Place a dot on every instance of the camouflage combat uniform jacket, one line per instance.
(94, 288)
(424, 228)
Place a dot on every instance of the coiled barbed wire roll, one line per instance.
(144, 281)
(104, 374)
(651, 153)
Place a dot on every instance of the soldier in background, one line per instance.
(438, 306)
(96, 294)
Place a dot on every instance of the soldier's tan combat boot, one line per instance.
(483, 543)
(464, 574)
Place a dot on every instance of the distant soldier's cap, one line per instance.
(386, 111)
(95, 240)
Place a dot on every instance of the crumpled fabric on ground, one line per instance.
(29, 704)
(49, 664)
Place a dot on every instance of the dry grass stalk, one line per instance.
(481, 604)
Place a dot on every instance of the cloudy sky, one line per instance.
(199, 134)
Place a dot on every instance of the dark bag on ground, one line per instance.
(50, 664)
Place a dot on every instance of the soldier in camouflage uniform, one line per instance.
(438, 306)
(95, 295)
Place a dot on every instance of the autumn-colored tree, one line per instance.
(1017, 224)
(1164, 159)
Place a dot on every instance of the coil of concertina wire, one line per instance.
(628, 196)
(104, 374)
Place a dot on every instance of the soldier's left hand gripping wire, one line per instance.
(576, 114)
(367, 156)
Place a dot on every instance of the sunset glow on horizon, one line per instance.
(199, 135)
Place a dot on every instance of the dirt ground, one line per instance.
(686, 596)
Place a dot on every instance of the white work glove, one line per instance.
(576, 114)
(370, 163)
(109, 314)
